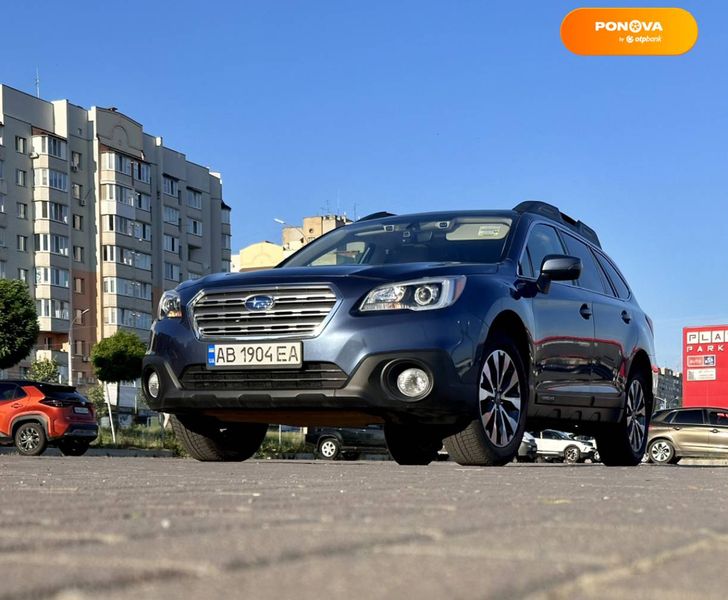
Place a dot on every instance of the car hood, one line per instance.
(377, 273)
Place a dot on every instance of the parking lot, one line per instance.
(175, 528)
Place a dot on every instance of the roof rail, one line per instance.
(551, 212)
(377, 215)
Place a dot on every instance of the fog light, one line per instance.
(413, 382)
(153, 384)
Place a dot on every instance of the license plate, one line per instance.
(80, 410)
(255, 355)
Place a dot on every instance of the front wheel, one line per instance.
(413, 445)
(493, 437)
(209, 440)
(572, 455)
(30, 439)
(329, 448)
(661, 452)
(623, 444)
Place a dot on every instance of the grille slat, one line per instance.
(298, 311)
(312, 376)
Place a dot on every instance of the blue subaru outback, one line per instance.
(462, 328)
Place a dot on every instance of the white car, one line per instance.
(557, 445)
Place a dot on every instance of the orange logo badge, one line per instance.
(629, 31)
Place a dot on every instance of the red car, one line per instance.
(34, 415)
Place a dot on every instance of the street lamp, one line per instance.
(288, 225)
(75, 320)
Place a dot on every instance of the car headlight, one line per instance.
(424, 294)
(170, 306)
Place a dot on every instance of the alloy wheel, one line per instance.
(660, 452)
(328, 449)
(636, 416)
(29, 439)
(500, 398)
(571, 454)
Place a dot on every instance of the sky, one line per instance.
(308, 107)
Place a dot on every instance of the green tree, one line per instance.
(18, 322)
(44, 370)
(117, 358)
(96, 395)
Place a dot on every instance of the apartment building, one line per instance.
(99, 218)
(669, 389)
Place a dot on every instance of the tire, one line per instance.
(493, 437)
(412, 445)
(623, 444)
(30, 439)
(661, 452)
(572, 455)
(329, 448)
(71, 447)
(209, 440)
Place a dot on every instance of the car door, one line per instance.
(718, 432)
(611, 327)
(550, 443)
(689, 431)
(563, 328)
(11, 405)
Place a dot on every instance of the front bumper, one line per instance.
(363, 394)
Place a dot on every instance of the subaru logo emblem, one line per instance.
(259, 303)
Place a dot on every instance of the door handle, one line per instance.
(16, 405)
(585, 311)
(677, 428)
(626, 317)
(714, 431)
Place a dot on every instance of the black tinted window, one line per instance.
(7, 391)
(590, 277)
(718, 418)
(689, 417)
(617, 280)
(542, 241)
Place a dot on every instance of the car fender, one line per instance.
(28, 417)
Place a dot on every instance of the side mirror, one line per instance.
(558, 267)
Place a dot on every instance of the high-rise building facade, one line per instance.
(99, 218)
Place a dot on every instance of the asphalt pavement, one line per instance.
(98, 527)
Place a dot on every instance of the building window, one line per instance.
(226, 241)
(51, 210)
(20, 177)
(125, 256)
(78, 285)
(194, 199)
(127, 287)
(143, 201)
(170, 186)
(2, 201)
(23, 275)
(2, 269)
(76, 190)
(50, 242)
(22, 210)
(22, 243)
(2, 167)
(171, 272)
(124, 226)
(75, 161)
(78, 347)
(116, 162)
(225, 216)
(78, 253)
(118, 193)
(51, 276)
(46, 144)
(130, 318)
(56, 309)
(2, 143)
(170, 215)
(143, 172)
(2, 238)
(78, 222)
(170, 243)
(194, 227)
(57, 180)
(20, 144)
(78, 316)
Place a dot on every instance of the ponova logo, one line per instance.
(634, 26)
(629, 31)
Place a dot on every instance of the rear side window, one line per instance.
(620, 286)
(7, 391)
(689, 417)
(718, 418)
(590, 278)
(542, 241)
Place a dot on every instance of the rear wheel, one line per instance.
(624, 444)
(493, 437)
(329, 448)
(71, 447)
(30, 439)
(413, 445)
(213, 441)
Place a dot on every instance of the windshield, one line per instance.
(467, 239)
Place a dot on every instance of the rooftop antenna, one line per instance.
(37, 83)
